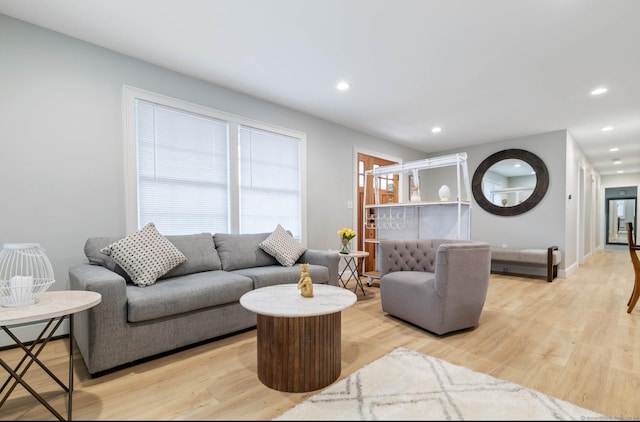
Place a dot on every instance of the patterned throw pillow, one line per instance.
(145, 255)
(283, 247)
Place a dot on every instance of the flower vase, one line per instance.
(346, 247)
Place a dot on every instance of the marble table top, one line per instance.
(285, 300)
(354, 254)
(51, 304)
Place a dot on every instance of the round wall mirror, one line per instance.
(510, 182)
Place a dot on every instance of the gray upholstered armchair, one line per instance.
(437, 284)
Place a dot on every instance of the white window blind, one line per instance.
(182, 170)
(192, 169)
(269, 181)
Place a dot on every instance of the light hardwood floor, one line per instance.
(571, 339)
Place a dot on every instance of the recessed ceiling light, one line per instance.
(607, 128)
(617, 161)
(620, 171)
(598, 91)
(342, 86)
(436, 129)
(614, 149)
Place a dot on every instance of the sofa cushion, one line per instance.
(277, 274)
(185, 293)
(145, 255)
(283, 247)
(239, 251)
(200, 252)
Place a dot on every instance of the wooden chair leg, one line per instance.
(634, 296)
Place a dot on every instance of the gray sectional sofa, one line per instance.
(196, 301)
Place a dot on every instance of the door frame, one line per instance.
(358, 150)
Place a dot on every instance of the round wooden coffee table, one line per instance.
(299, 338)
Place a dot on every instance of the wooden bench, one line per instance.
(525, 261)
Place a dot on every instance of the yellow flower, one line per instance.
(346, 233)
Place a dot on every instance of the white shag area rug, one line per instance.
(407, 385)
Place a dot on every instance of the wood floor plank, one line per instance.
(571, 339)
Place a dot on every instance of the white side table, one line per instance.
(353, 260)
(51, 306)
(299, 338)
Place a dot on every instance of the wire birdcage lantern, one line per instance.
(25, 272)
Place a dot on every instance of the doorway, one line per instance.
(369, 162)
(620, 209)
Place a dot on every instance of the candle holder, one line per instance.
(25, 272)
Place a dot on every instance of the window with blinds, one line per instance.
(269, 181)
(183, 182)
(191, 169)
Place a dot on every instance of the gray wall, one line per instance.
(61, 147)
(540, 227)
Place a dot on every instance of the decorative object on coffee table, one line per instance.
(346, 235)
(25, 272)
(305, 284)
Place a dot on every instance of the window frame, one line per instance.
(130, 94)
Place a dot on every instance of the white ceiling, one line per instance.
(483, 70)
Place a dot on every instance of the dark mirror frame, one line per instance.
(542, 182)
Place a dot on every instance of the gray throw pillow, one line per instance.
(283, 247)
(145, 255)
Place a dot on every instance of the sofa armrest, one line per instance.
(99, 279)
(112, 309)
(328, 259)
(99, 328)
(463, 269)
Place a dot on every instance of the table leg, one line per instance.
(299, 354)
(70, 384)
(353, 264)
(18, 375)
(346, 268)
(352, 267)
(358, 275)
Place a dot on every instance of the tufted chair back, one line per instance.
(410, 255)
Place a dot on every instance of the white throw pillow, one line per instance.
(145, 255)
(283, 247)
